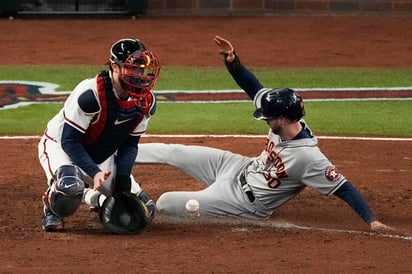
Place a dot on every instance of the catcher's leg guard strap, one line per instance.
(66, 192)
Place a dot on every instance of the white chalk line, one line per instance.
(244, 225)
(281, 225)
(284, 225)
(23, 137)
(301, 90)
(340, 231)
(297, 89)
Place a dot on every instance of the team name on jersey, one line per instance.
(276, 161)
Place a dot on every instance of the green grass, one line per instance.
(172, 78)
(357, 118)
(65, 76)
(378, 118)
(218, 78)
(30, 119)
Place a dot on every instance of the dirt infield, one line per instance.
(327, 237)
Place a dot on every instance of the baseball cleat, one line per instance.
(51, 222)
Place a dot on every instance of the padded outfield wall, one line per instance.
(203, 7)
(239, 7)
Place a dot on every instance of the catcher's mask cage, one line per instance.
(282, 102)
(139, 69)
(139, 72)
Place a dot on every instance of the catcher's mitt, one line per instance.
(124, 213)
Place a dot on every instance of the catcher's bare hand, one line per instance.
(377, 226)
(225, 47)
(98, 180)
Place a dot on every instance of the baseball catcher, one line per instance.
(124, 213)
(88, 149)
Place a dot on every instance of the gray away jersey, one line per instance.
(284, 169)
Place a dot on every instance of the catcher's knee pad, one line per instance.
(66, 193)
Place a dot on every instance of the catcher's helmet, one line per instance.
(273, 103)
(139, 67)
(122, 49)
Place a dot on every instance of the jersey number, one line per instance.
(272, 182)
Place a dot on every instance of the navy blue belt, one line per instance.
(246, 187)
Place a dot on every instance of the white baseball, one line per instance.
(192, 205)
(124, 218)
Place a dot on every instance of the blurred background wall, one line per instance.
(199, 7)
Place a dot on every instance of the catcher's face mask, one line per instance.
(139, 72)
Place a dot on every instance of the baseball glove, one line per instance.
(124, 213)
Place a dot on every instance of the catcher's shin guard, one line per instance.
(66, 192)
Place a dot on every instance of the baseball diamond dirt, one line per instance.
(311, 234)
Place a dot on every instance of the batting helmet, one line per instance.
(273, 103)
